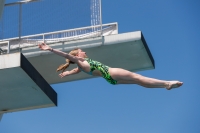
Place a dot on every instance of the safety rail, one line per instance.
(56, 37)
(8, 47)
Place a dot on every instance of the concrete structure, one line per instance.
(29, 78)
(21, 86)
(25, 81)
(126, 50)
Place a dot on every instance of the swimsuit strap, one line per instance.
(90, 73)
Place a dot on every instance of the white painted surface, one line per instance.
(122, 38)
(9, 60)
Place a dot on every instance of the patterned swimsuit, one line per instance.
(95, 65)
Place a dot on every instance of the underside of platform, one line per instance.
(21, 86)
(127, 50)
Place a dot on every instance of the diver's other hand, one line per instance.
(66, 73)
(44, 46)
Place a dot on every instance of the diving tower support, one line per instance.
(21, 86)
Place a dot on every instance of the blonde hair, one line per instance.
(68, 62)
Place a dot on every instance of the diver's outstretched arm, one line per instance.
(44, 46)
(67, 73)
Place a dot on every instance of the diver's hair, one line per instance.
(68, 62)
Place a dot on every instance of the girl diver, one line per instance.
(112, 75)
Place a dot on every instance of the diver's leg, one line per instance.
(126, 77)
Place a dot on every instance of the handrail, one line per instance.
(8, 45)
(57, 32)
(56, 37)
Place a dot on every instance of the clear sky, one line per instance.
(171, 29)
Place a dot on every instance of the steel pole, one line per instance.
(20, 24)
(100, 15)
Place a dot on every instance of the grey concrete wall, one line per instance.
(38, 79)
(21, 85)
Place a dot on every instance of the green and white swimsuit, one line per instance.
(95, 65)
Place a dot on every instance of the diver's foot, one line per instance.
(173, 84)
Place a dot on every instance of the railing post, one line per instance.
(43, 39)
(20, 24)
(8, 51)
(100, 15)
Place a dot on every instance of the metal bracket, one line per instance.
(8, 46)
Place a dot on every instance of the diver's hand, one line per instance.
(44, 46)
(66, 73)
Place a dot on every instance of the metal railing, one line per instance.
(6, 45)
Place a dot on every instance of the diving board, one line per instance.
(21, 86)
(126, 50)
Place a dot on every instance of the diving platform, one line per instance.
(28, 72)
(22, 87)
(126, 50)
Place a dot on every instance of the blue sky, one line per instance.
(171, 29)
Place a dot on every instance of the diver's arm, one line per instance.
(65, 55)
(67, 73)
(44, 46)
